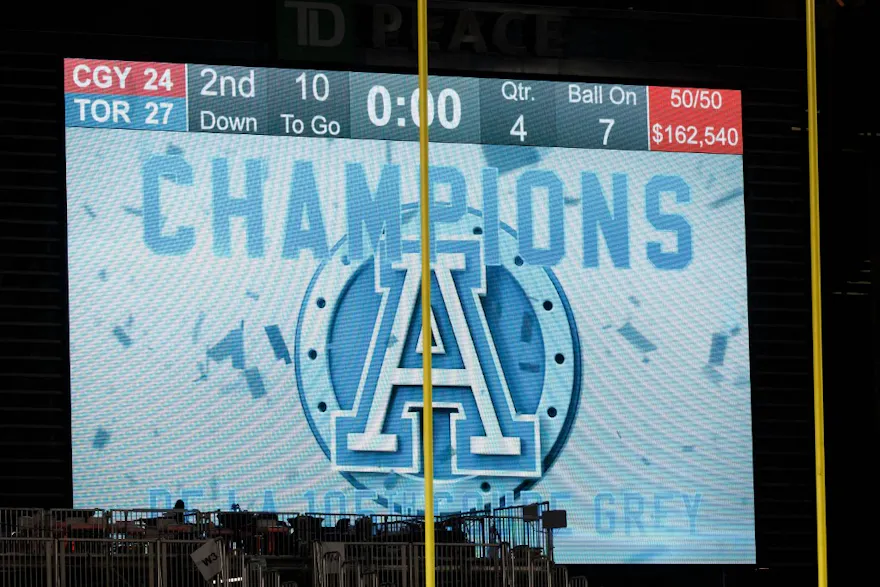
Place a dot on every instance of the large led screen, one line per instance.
(245, 323)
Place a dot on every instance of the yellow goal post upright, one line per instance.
(816, 295)
(425, 211)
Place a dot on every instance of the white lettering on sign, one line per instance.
(211, 121)
(227, 86)
(102, 76)
(102, 110)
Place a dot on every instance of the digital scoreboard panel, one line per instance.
(245, 322)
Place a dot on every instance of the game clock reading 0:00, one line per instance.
(448, 107)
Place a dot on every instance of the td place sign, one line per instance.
(364, 31)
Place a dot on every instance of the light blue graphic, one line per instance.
(495, 379)
(245, 328)
(485, 425)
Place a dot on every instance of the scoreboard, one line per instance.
(245, 324)
(464, 110)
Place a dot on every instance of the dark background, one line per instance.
(758, 46)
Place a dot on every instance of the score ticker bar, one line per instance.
(334, 104)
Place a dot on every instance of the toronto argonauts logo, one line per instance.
(506, 363)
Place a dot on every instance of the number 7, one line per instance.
(167, 106)
(610, 123)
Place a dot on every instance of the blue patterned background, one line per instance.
(184, 366)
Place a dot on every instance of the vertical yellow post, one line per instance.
(428, 341)
(816, 287)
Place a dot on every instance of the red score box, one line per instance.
(124, 78)
(695, 120)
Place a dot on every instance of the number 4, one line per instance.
(610, 123)
(519, 129)
(165, 80)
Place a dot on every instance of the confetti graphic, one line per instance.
(278, 344)
(636, 338)
(717, 350)
(122, 336)
(727, 198)
(102, 437)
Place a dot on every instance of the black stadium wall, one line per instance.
(754, 46)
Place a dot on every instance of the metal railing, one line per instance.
(258, 574)
(106, 562)
(26, 562)
(98, 561)
(109, 562)
(371, 564)
(21, 522)
(506, 547)
(521, 525)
